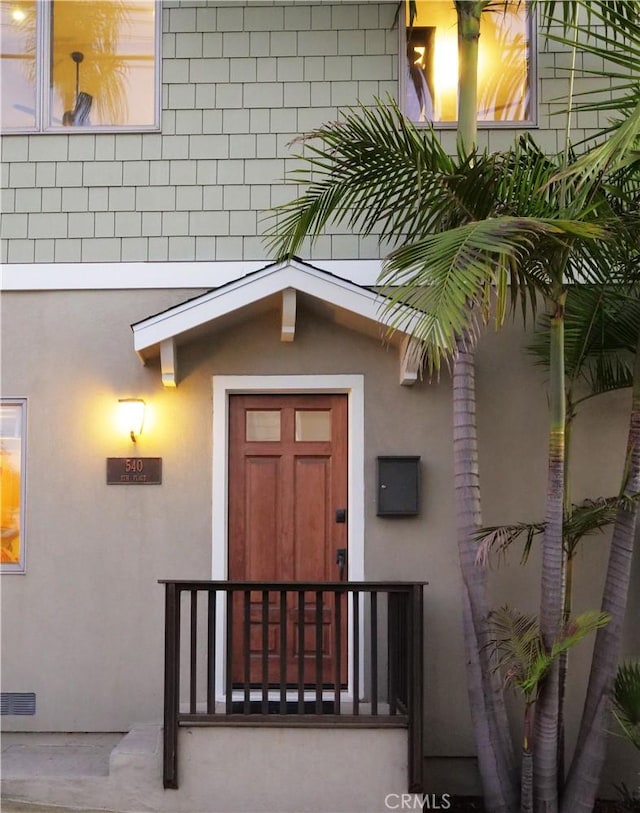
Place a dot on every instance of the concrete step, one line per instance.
(221, 769)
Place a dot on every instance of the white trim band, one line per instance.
(124, 276)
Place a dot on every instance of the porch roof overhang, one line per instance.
(160, 334)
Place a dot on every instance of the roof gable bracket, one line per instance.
(288, 331)
(169, 362)
(409, 361)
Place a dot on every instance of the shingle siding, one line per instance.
(239, 84)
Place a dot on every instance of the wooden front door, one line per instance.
(287, 487)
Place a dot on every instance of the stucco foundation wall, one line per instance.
(83, 627)
(314, 770)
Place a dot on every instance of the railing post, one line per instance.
(415, 686)
(171, 685)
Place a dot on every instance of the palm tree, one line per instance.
(602, 325)
(524, 661)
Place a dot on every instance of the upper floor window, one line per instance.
(505, 74)
(67, 64)
(12, 457)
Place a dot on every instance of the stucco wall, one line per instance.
(240, 82)
(83, 627)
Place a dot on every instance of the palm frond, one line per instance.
(618, 152)
(372, 170)
(626, 700)
(444, 275)
(585, 518)
(608, 30)
(518, 648)
(578, 628)
(498, 539)
(601, 329)
(520, 652)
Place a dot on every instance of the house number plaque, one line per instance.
(128, 471)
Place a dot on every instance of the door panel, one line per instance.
(287, 477)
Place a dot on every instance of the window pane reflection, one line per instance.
(263, 424)
(102, 63)
(313, 425)
(11, 485)
(431, 79)
(18, 64)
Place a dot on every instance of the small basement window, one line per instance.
(73, 65)
(506, 89)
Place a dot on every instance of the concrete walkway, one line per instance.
(31, 755)
(34, 756)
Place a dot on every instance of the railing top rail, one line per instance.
(393, 586)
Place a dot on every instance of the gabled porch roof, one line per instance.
(358, 306)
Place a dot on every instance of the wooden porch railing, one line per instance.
(293, 654)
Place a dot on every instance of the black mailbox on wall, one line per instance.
(398, 486)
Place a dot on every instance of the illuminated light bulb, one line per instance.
(18, 15)
(132, 416)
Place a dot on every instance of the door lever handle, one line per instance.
(341, 561)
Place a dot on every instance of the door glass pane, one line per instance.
(313, 424)
(102, 63)
(18, 64)
(263, 424)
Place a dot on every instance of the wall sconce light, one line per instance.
(132, 416)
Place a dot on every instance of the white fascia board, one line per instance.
(133, 276)
(243, 292)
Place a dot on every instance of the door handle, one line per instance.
(341, 561)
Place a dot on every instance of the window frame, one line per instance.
(525, 124)
(43, 82)
(20, 566)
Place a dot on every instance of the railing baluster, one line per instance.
(283, 652)
(265, 651)
(392, 636)
(230, 594)
(300, 651)
(356, 652)
(337, 661)
(319, 652)
(211, 651)
(403, 639)
(415, 688)
(246, 642)
(193, 644)
(374, 652)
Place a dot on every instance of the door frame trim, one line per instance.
(226, 385)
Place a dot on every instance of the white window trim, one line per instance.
(43, 76)
(525, 124)
(20, 567)
(223, 387)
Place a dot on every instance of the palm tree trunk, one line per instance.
(493, 742)
(563, 658)
(468, 14)
(586, 768)
(526, 783)
(551, 593)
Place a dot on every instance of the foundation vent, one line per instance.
(17, 703)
